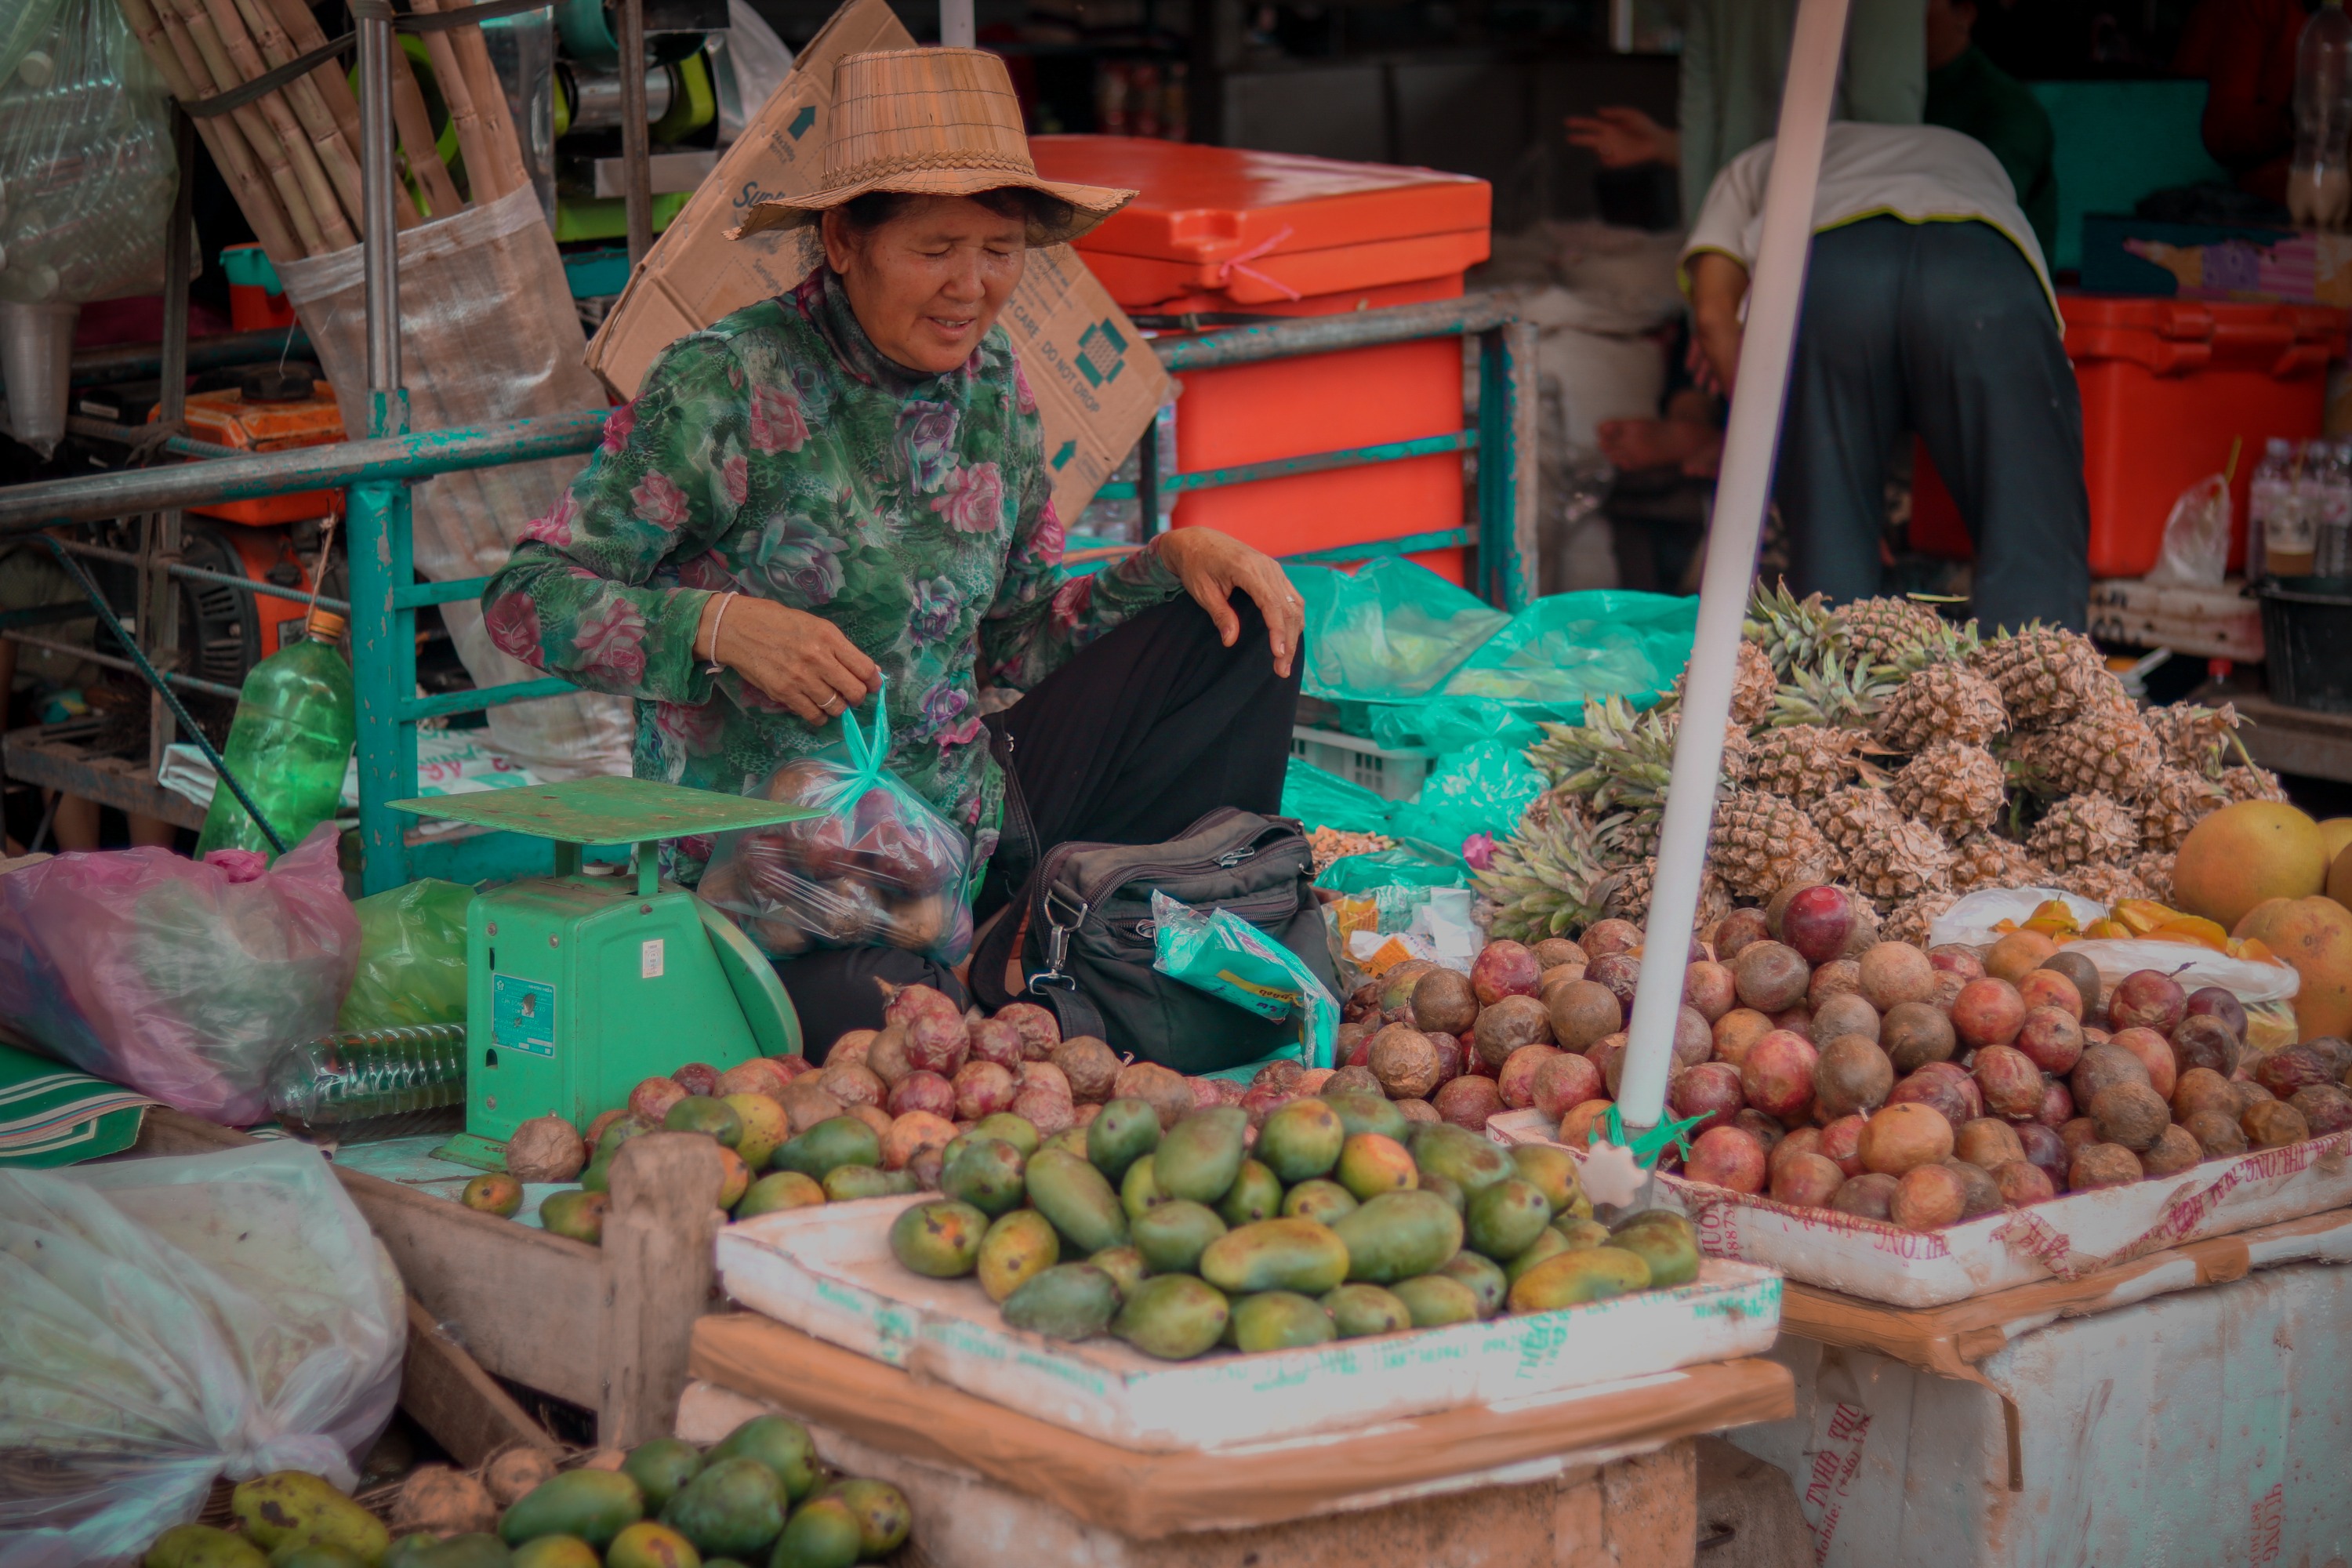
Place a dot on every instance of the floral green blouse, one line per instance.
(778, 453)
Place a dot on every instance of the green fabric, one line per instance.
(1975, 98)
(778, 453)
(412, 958)
(52, 1115)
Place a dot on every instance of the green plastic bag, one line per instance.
(1391, 869)
(1322, 799)
(412, 958)
(1225, 956)
(1393, 628)
(1484, 788)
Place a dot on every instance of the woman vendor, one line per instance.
(842, 492)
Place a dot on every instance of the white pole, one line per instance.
(1739, 500)
(955, 24)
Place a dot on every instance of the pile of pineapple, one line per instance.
(1882, 746)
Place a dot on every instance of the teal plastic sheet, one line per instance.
(1322, 799)
(1391, 869)
(1480, 789)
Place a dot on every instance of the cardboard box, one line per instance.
(1098, 383)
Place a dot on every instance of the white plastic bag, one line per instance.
(1970, 923)
(2196, 535)
(163, 1322)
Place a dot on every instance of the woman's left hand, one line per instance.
(1210, 565)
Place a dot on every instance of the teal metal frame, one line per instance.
(386, 593)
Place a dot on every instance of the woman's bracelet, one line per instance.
(714, 666)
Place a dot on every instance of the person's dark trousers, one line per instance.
(1940, 328)
(1144, 732)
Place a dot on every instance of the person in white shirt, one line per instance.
(1928, 307)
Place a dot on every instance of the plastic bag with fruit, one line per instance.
(879, 868)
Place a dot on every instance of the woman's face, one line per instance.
(928, 284)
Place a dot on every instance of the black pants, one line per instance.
(1143, 732)
(1940, 328)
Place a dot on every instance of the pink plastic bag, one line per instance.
(180, 978)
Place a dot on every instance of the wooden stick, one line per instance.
(490, 96)
(483, 168)
(302, 31)
(246, 181)
(200, 51)
(229, 28)
(415, 123)
(337, 156)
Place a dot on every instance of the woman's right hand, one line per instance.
(800, 660)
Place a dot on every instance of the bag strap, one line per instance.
(1072, 1008)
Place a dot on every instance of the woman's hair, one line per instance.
(1033, 208)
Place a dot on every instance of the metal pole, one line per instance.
(956, 29)
(637, 136)
(1147, 479)
(159, 617)
(379, 244)
(1747, 448)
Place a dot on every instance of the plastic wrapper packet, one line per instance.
(878, 868)
(182, 979)
(167, 1323)
(412, 965)
(1225, 956)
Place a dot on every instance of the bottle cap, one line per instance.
(326, 625)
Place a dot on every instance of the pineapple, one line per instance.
(2176, 800)
(2083, 830)
(1627, 896)
(2251, 783)
(1618, 759)
(1629, 834)
(2106, 885)
(1892, 864)
(1837, 694)
(1904, 635)
(1941, 702)
(1802, 762)
(1753, 682)
(2194, 738)
(1912, 919)
(2154, 869)
(1762, 841)
(2045, 675)
(1794, 633)
(1953, 788)
(2112, 753)
(1547, 878)
(1846, 813)
(1988, 861)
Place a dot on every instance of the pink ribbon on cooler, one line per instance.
(1240, 264)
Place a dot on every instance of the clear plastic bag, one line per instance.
(879, 868)
(182, 979)
(1225, 956)
(167, 1322)
(412, 958)
(2196, 535)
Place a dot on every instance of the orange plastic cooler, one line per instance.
(2166, 385)
(1225, 230)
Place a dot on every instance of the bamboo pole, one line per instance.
(483, 167)
(228, 27)
(199, 50)
(415, 123)
(302, 31)
(490, 97)
(335, 154)
(227, 144)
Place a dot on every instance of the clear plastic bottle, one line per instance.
(290, 744)
(377, 1082)
(2318, 184)
(2287, 542)
(2332, 540)
(2270, 491)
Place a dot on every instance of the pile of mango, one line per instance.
(1335, 1219)
(760, 1495)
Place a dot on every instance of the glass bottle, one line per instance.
(290, 744)
(2318, 184)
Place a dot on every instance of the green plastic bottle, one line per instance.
(290, 744)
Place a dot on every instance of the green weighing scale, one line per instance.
(577, 987)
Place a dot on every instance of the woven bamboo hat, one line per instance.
(934, 121)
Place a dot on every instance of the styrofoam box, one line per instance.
(2066, 1238)
(828, 1271)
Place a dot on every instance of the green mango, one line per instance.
(597, 1178)
(661, 1468)
(1449, 1189)
(1067, 1301)
(1279, 1320)
(1139, 1188)
(578, 1214)
(940, 1239)
(296, 1508)
(1277, 1255)
(414, 1549)
(313, 1556)
(1201, 1155)
(647, 1544)
(1590, 1274)
(619, 1131)
(1018, 1248)
(1124, 1132)
(848, 1184)
(780, 1190)
(1505, 1219)
(1553, 1170)
(733, 1508)
(1437, 1300)
(475, 1549)
(1484, 1276)
(823, 1534)
(1072, 1193)
(1669, 1246)
(1171, 1236)
(1125, 1266)
(1301, 1139)
(1173, 1316)
(1582, 1233)
(1372, 1164)
(1318, 1200)
(1358, 1310)
(1255, 1195)
(986, 1172)
(1361, 1110)
(202, 1546)
(555, 1552)
(1017, 1131)
(1550, 1244)
(1397, 1236)
(881, 1512)
(595, 1505)
(1069, 1140)
(837, 1141)
(705, 1114)
(778, 1442)
(1461, 1155)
